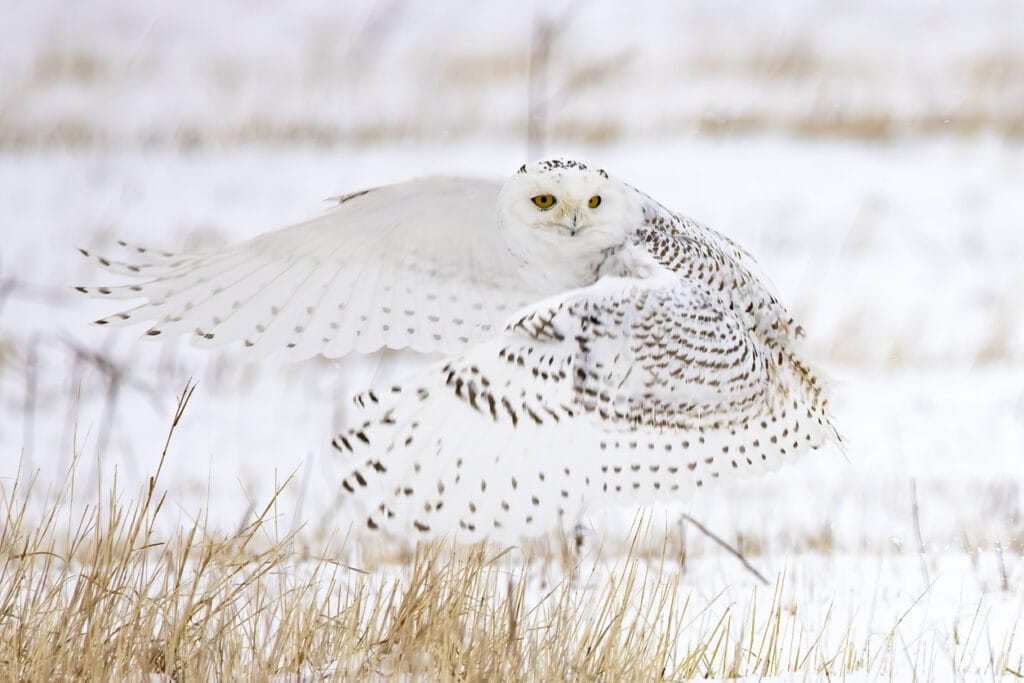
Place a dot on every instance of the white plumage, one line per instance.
(599, 346)
(405, 266)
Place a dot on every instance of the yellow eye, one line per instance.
(595, 201)
(544, 201)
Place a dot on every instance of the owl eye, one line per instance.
(544, 201)
(595, 201)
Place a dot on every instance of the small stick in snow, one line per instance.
(1002, 567)
(917, 530)
(736, 553)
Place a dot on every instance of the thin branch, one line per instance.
(536, 109)
(1002, 567)
(917, 530)
(735, 553)
(111, 368)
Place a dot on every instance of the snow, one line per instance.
(901, 253)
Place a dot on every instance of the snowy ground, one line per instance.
(899, 249)
(922, 345)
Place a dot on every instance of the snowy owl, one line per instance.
(598, 347)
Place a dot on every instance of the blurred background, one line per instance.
(869, 153)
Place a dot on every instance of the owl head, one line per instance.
(562, 210)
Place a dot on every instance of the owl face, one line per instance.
(561, 216)
(563, 198)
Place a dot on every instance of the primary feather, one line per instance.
(416, 265)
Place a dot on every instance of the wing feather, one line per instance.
(629, 390)
(418, 265)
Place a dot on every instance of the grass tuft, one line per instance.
(102, 594)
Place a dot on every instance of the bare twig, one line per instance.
(540, 56)
(31, 400)
(110, 367)
(682, 545)
(735, 553)
(1002, 567)
(917, 530)
(546, 31)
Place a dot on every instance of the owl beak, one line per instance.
(573, 214)
(572, 218)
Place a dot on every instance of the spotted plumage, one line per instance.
(598, 346)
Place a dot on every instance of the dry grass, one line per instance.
(81, 134)
(104, 595)
(977, 97)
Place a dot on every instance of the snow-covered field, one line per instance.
(872, 157)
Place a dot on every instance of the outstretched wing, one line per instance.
(630, 389)
(419, 265)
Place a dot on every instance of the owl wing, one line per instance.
(628, 389)
(726, 271)
(419, 265)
